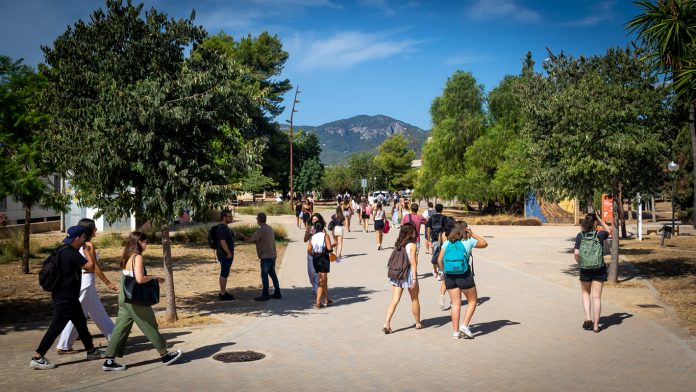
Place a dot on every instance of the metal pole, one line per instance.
(292, 189)
(414, 142)
(674, 182)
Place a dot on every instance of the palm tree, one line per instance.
(668, 30)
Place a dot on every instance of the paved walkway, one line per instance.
(527, 337)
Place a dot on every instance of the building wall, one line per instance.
(16, 212)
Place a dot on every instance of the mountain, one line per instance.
(340, 139)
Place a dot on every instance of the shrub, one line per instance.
(13, 246)
(110, 240)
(268, 209)
(279, 231)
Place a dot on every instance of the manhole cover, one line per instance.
(649, 306)
(239, 356)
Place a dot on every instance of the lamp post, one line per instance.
(673, 167)
(292, 190)
(374, 185)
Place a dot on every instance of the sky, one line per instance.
(366, 56)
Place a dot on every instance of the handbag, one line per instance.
(386, 226)
(145, 294)
(332, 224)
(301, 214)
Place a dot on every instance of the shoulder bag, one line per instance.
(145, 294)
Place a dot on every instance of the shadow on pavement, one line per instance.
(298, 301)
(203, 352)
(490, 327)
(613, 319)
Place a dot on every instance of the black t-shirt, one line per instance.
(71, 262)
(224, 233)
(601, 236)
(438, 217)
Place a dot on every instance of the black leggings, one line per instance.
(66, 309)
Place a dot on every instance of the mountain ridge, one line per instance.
(362, 133)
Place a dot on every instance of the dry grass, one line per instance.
(12, 246)
(671, 269)
(188, 320)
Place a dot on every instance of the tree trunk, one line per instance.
(614, 264)
(630, 214)
(652, 207)
(692, 130)
(168, 274)
(27, 231)
(621, 213)
(590, 204)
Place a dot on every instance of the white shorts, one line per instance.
(338, 231)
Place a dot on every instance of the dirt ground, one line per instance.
(196, 275)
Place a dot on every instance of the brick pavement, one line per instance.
(527, 337)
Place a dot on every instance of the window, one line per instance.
(56, 183)
(3, 203)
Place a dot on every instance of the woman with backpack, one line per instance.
(132, 265)
(319, 248)
(309, 232)
(378, 217)
(404, 253)
(454, 258)
(89, 299)
(593, 272)
(347, 213)
(365, 214)
(447, 226)
(338, 220)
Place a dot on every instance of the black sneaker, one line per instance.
(276, 296)
(170, 357)
(226, 297)
(262, 298)
(110, 364)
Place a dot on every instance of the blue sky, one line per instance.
(366, 56)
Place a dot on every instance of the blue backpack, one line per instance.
(455, 259)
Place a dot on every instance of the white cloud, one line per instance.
(346, 49)
(381, 5)
(601, 11)
(497, 9)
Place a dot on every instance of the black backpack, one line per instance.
(51, 272)
(398, 264)
(212, 237)
(436, 226)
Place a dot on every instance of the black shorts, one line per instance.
(379, 225)
(463, 281)
(365, 216)
(305, 217)
(322, 266)
(594, 275)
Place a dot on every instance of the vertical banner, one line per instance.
(607, 211)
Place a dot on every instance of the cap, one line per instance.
(261, 217)
(73, 232)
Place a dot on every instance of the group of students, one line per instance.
(74, 297)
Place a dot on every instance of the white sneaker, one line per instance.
(41, 363)
(466, 331)
(439, 277)
(457, 335)
(442, 302)
(96, 354)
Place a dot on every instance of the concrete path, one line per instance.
(527, 332)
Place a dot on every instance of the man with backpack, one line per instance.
(432, 231)
(61, 276)
(223, 243)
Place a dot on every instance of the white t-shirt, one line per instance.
(379, 215)
(371, 200)
(318, 242)
(411, 247)
(468, 245)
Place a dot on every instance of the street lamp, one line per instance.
(673, 167)
(374, 185)
(292, 191)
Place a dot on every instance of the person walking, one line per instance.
(310, 199)
(339, 199)
(225, 252)
(89, 299)
(365, 213)
(266, 251)
(378, 217)
(396, 211)
(298, 211)
(306, 212)
(347, 213)
(429, 212)
(589, 244)
(432, 232)
(404, 247)
(321, 243)
(338, 220)
(309, 232)
(461, 241)
(133, 265)
(417, 220)
(447, 227)
(66, 299)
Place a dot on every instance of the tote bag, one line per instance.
(145, 294)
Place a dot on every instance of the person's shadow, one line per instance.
(614, 319)
(481, 329)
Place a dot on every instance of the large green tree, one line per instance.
(395, 157)
(25, 170)
(128, 109)
(311, 176)
(668, 30)
(593, 123)
(256, 182)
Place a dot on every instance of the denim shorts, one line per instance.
(225, 266)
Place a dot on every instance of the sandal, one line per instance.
(587, 324)
(64, 352)
(321, 306)
(598, 329)
(328, 303)
(387, 329)
(420, 326)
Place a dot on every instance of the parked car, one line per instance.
(385, 195)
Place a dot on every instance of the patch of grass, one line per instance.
(194, 234)
(279, 231)
(13, 246)
(110, 241)
(268, 209)
(187, 320)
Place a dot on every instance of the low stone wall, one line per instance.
(38, 227)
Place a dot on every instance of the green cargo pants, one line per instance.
(143, 316)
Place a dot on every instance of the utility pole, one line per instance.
(414, 142)
(292, 190)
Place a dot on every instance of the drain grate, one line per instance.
(649, 306)
(239, 356)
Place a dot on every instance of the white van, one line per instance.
(385, 195)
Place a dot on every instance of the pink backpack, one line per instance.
(368, 211)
